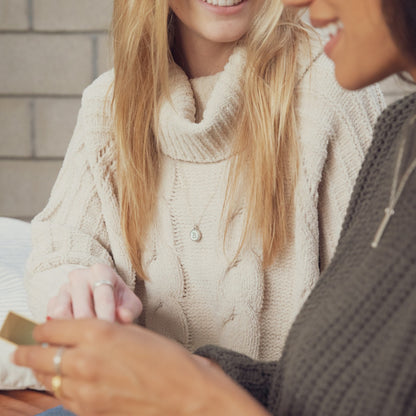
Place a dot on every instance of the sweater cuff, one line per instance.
(254, 376)
(51, 279)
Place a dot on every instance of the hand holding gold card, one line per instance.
(18, 330)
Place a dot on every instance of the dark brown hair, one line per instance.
(400, 16)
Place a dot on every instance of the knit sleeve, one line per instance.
(354, 115)
(257, 377)
(71, 231)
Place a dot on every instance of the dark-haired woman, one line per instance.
(352, 348)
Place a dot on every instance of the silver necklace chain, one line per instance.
(396, 189)
(196, 234)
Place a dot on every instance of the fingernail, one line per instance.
(48, 318)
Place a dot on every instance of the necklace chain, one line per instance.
(196, 234)
(396, 189)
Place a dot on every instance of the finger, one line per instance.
(76, 363)
(104, 295)
(129, 308)
(60, 306)
(64, 395)
(77, 395)
(45, 380)
(71, 332)
(104, 303)
(40, 359)
(82, 303)
(124, 316)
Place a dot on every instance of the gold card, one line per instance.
(18, 330)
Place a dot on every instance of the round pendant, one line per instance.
(195, 234)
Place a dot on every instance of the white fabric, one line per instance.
(15, 244)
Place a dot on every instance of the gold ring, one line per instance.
(56, 385)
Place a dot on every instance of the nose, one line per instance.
(297, 3)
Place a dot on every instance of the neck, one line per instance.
(200, 57)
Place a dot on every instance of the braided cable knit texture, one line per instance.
(196, 293)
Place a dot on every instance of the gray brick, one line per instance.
(54, 123)
(104, 58)
(25, 186)
(45, 64)
(72, 15)
(14, 15)
(15, 127)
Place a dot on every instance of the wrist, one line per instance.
(222, 396)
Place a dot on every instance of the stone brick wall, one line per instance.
(50, 51)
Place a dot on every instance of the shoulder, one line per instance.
(94, 129)
(96, 116)
(318, 88)
(393, 118)
(98, 95)
(100, 87)
(398, 112)
(333, 122)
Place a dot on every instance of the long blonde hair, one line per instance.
(266, 140)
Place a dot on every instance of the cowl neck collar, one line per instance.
(180, 136)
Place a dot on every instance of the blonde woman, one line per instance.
(207, 177)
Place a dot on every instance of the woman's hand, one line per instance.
(121, 370)
(97, 291)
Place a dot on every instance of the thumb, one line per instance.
(129, 309)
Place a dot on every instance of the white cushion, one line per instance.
(15, 245)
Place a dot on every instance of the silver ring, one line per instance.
(102, 283)
(57, 360)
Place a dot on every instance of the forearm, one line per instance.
(230, 399)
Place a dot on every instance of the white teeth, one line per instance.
(332, 29)
(223, 3)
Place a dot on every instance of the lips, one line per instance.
(331, 30)
(331, 44)
(223, 3)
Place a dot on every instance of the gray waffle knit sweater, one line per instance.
(352, 348)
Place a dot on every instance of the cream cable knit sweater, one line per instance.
(195, 294)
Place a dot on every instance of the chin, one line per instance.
(224, 33)
(355, 80)
(355, 77)
(226, 38)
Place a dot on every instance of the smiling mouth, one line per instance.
(331, 32)
(331, 29)
(223, 3)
